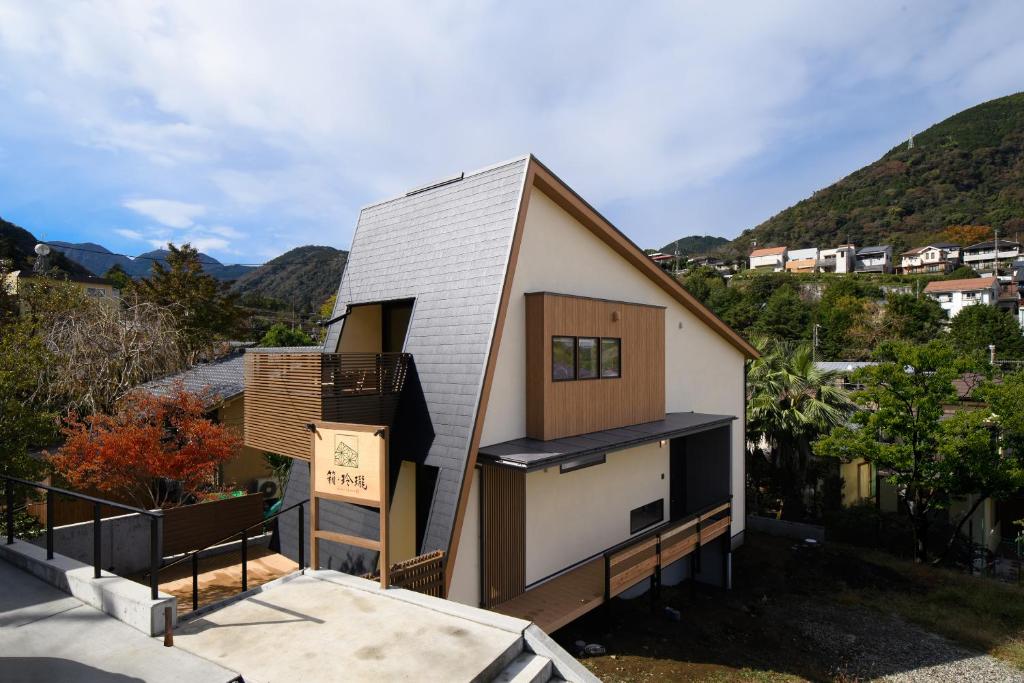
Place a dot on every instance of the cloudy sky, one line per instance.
(248, 128)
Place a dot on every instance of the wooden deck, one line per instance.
(555, 603)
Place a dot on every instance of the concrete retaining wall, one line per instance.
(780, 527)
(124, 541)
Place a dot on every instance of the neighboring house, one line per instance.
(874, 259)
(769, 258)
(931, 258)
(984, 256)
(842, 259)
(802, 260)
(93, 286)
(954, 295)
(666, 261)
(224, 381)
(545, 413)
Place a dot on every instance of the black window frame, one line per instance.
(555, 337)
(634, 529)
(597, 351)
(600, 357)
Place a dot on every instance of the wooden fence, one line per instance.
(423, 574)
(193, 527)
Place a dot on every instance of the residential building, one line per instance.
(802, 260)
(841, 259)
(768, 258)
(931, 258)
(984, 256)
(92, 285)
(558, 428)
(874, 259)
(955, 295)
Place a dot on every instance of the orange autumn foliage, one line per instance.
(148, 442)
(966, 235)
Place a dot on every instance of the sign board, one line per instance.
(349, 464)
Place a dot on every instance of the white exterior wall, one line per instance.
(797, 254)
(777, 262)
(465, 586)
(704, 372)
(954, 302)
(566, 522)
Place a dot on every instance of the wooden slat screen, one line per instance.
(194, 527)
(503, 531)
(423, 574)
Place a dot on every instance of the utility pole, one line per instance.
(814, 344)
(995, 245)
(991, 354)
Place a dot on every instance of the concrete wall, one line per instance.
(704, 373)
(124, 543)
(465, 586)
(572, 516)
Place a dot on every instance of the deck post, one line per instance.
(726, 562)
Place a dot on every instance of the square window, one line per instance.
(586, 358)
(611, 358)
(563, 358)
(646, 515)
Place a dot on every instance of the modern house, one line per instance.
(955, 295)
(931, 258)
(985, 256)
(768, 258)
(874, 259)
(802, 260)
(561, 430)
(841, 259)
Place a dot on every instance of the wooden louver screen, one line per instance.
(503, 533)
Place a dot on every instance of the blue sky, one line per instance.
(251, 128)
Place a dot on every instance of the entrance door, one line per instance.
(677, 478)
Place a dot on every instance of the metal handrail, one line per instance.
(242, 533)
(155, 520)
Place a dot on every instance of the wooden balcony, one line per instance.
(580, 589)
(286, 390)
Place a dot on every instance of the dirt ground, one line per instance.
(794, 614)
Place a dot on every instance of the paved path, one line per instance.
(47, 636)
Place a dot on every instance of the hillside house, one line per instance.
(841, 259)
(874, 259)
(931, 258)
(955, 295)
(802, 260)
(93, 286)
(562, 430)
(768, 258)
(983, 257)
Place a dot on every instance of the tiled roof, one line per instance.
(969, 285)
(222, 378)
(875, 249)
(768, 251)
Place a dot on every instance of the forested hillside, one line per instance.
(17, 247)
(301, 278)
(694, 245)
(966, 170)
(98, 259)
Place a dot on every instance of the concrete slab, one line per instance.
(48, 636)
(313, 630)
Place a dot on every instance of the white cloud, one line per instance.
(129, 234)
(168, 212)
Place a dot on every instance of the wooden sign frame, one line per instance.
(381, 504)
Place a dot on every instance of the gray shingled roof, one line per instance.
(223, 378)
(448, 248)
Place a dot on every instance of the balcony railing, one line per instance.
(285, 391)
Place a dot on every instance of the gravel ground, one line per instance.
(871, 646)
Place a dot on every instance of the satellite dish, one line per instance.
(42, 249)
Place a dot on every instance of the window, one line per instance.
(611, 357)
(646, 515)
(563, 358)
(586, 357)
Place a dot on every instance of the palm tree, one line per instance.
(791, 402)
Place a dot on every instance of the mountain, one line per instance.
(303, 277)
(98, 259)
(694, 245)
(966, 170)
(17, 246)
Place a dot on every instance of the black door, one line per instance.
(677, 478)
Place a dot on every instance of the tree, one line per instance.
(966, 235)
(975, 327)
(150, 446)
(849, 327)
(791, 402)
(121, 279)
(280, 334)
(962, 273)
(914, 319)
(206, 312)
(785, 316)
(900, 428)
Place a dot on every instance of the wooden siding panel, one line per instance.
(283, 393)
(503, 527)
(559, 409)
(194, 527)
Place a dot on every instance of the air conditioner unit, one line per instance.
(269, 488)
